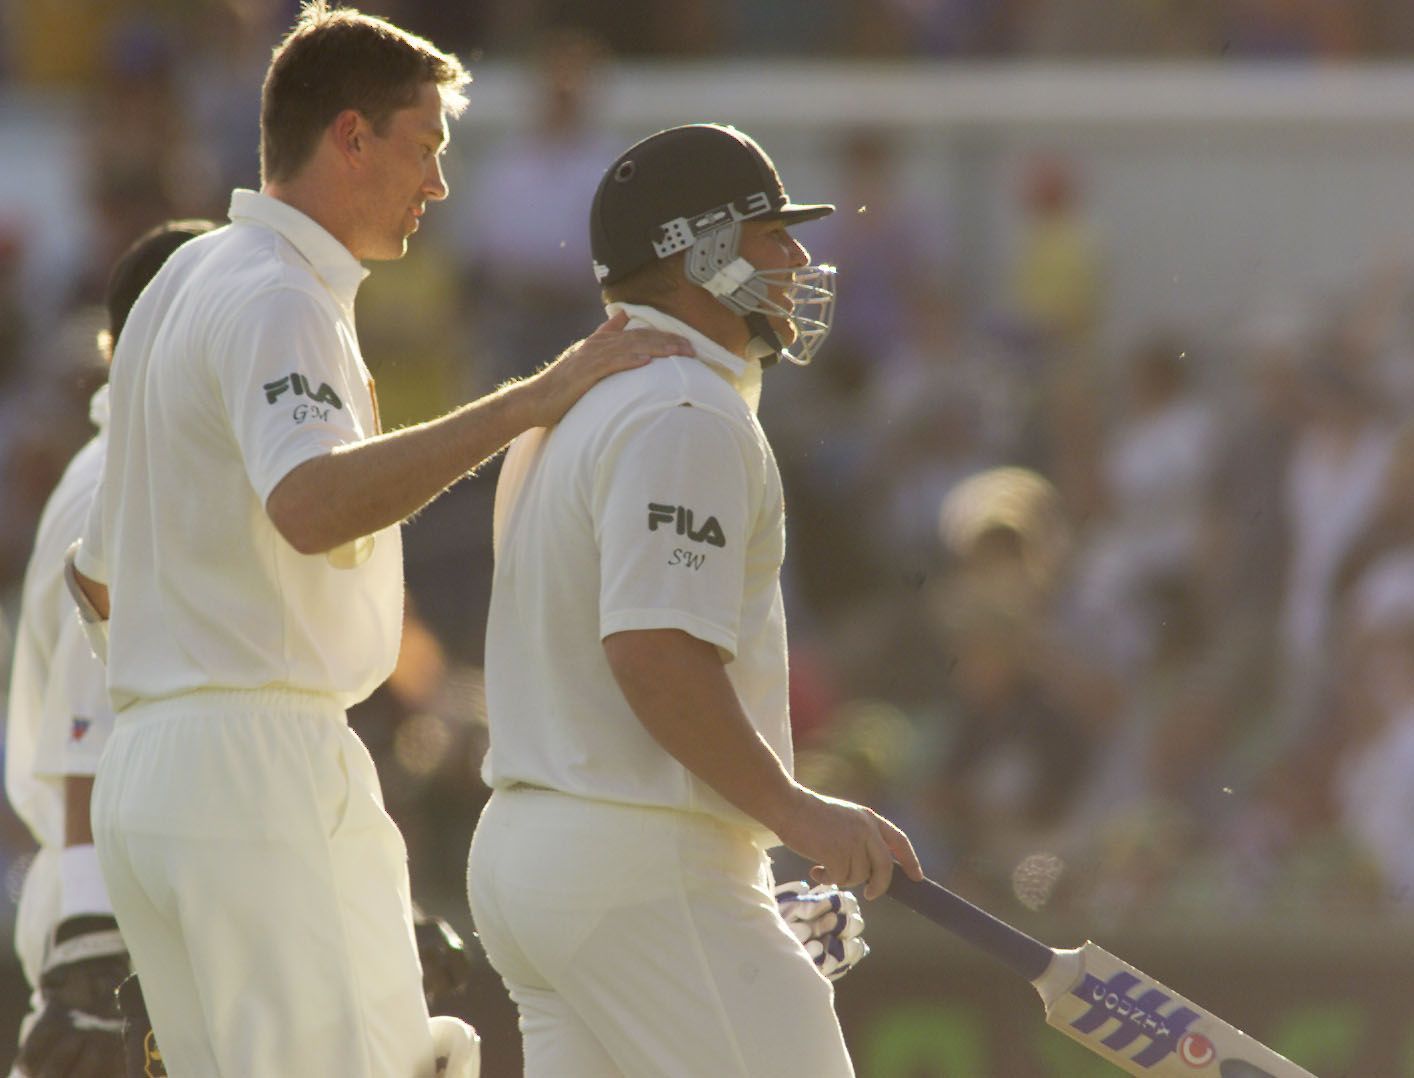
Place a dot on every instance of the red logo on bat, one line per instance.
(1196, 1050)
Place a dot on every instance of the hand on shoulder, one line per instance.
(611, 348)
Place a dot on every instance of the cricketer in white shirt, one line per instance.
(627, 905)
(655, 504)
(239, 363)
(260, 885)
(58, 718)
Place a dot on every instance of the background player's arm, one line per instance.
(78, 796)
(78, 1029)
(361, 488)
(679, 689)
(95, 592)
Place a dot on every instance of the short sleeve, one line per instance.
(287, 384)
(673, 512)
(90, 560)
(77, 714)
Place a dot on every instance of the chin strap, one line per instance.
(763, 340)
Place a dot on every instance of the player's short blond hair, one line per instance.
(648, 284)
(337, 58)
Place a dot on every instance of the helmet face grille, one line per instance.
(808, 303)
(807, 293)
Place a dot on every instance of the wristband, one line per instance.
(81, 887)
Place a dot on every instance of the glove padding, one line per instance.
(457, 1047)
(140, 1052)
(446, 967)
(78, 1033)
(828, 924)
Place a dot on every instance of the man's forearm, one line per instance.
(361, 488)
(78, 796)
(95, 593)
(679, 689)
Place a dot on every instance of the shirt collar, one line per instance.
(330, 259)
(743, 374)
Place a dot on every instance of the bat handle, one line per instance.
(1028, 957)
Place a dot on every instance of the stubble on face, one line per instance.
(405, 174)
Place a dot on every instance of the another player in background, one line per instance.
(247, 525)
(59, 720)
(640, 753)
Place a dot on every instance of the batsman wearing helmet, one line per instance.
(640, 753)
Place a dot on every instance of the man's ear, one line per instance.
(349, 134)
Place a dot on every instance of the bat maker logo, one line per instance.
(299, 384)
(153, 1066)
(1137, 1016)
(682, 519)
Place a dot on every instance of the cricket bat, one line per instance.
(1103, 1002)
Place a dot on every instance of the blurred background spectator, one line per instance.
(1053, 309)
(1144, 529)
(1334, 479)
(522, 230)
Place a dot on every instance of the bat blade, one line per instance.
(1103, 1002)
(1139, 1024)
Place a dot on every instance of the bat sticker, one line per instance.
(1137, 1017)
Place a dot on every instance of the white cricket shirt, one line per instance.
(58, 718)
(655, 503)
(238, 363)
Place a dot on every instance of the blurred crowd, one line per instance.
(1125, 632)
(1129, 634)
(64, 39)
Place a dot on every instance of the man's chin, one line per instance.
(391, 253)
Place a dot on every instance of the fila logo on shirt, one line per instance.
(299, 384)
(681, 518)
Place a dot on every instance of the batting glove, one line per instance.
(828, 924)
(78, 1032)
(140, 1052)
(457, 1047)
(446, 967)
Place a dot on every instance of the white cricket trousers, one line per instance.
(644, 942)
(262, 889)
